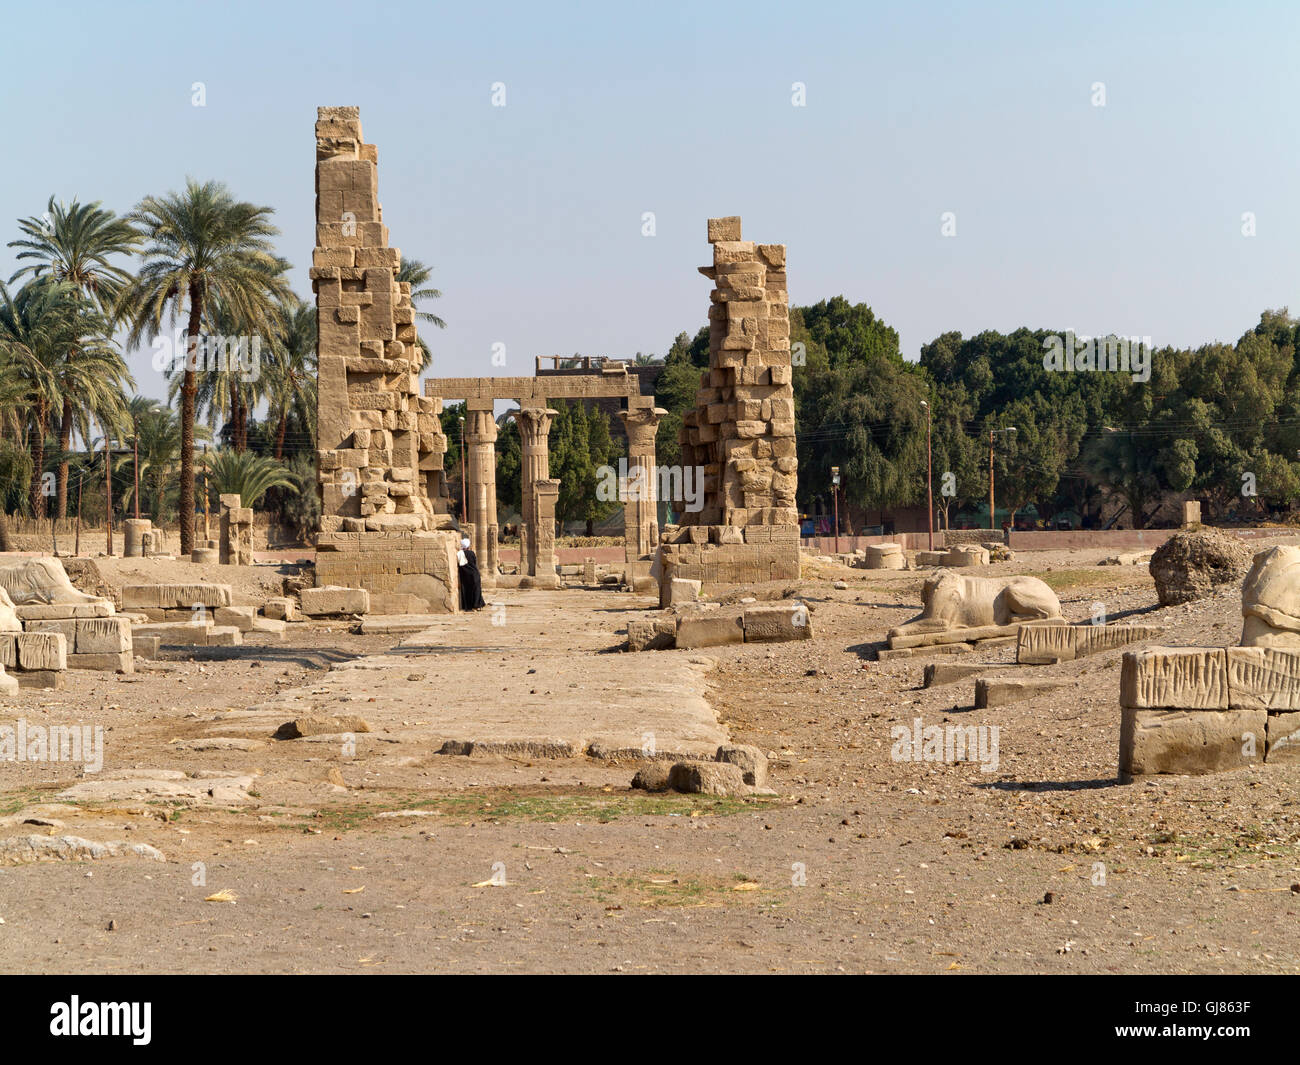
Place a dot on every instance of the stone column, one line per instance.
(547, 494)
(481, 482)
(134, 536)
(535, 465)
(640, 517)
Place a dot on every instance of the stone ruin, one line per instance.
(384, 524)
(1205, 709)
(48, 626)
(741, 432)
(236, 532)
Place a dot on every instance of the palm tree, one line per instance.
(244, 474)
(415, 273)
(289, 374)
(75, 243)
(230, 386)
(202, 246)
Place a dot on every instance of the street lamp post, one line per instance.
(835, 497)
(992, 433)
(929, 475)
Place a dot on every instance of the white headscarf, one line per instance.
(464, 543)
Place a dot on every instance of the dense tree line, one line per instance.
(1220, 422)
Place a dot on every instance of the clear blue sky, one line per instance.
(1123, 218)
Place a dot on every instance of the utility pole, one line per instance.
(205, 495)
(929, 474)
(835, 497)
(135, 431)
(108, 491)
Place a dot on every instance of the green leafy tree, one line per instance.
(417, 275)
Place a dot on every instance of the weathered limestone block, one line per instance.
(677, 590)
(966, 555)
(281, 608)
(1189, 741)
(707, 778)
(175, 596)
(334, 600)
(1283, 739)
(712, 628)
(39, 582)
(107, 662)
(884, 556)
(751, 760)
(999, 691)
(242, 617)
(100, 608)
(937, 673)
(932, 558)
(41, 650)
(1263, 678)
(769, 623)
(1045, 643)
(952, 602)
(652, 634)
(1179, 678)
(102, 636)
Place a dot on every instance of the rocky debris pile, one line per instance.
(1194, 564)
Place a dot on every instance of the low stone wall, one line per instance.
(720, 554)
(1117, 539)
(394, 565)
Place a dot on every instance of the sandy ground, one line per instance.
(382, 856)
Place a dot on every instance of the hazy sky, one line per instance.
(1122, 218)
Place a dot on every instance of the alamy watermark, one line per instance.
(1070, 354)
(946, 743)
(673, 484)
(22, 742)
(238, 354)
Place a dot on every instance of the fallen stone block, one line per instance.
(965, 555)
(39, 679)
(652, 777)
(1175, 678)
(321, 725)
(886, 654)
(1045, 643)
(1189, 741)
(999, 691)
(678, 590)
(939, 673)
(707, 778)
(652, 634)
(281, 608)
(932, 558)
(751, 760)
(711, 629)
(770, 623)
(108, 662)
(144, 646)
(8, 684)
(333, 601)
(239, 616)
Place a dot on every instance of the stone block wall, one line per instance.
(394, 564)
(742, 429)
(381, 443)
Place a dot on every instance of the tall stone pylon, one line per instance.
(384, 523)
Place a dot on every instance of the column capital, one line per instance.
(641, 424)
(534, 423)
